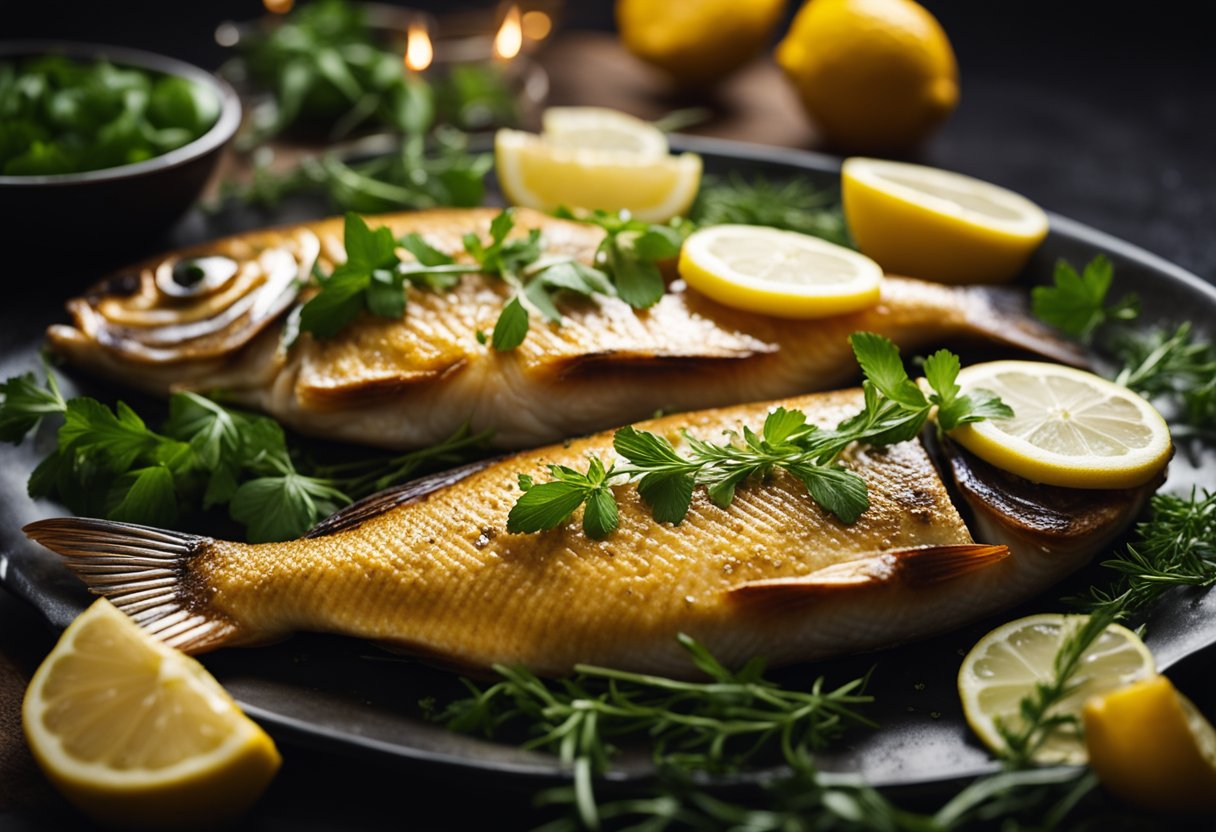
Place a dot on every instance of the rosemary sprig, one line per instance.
(715, 726)
(895, 410)
(794, 204)
(1177, 369)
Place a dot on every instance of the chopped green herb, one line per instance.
(794, 205)
(895, 410)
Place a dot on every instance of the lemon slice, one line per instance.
(137, 734)
(936, 225)
(603, 130)
(536, 174)
(780, 273)
(1150, 746)
(1069, 427)
(1004, 666)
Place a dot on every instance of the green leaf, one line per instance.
(511, 327)
(638, 282)
(976, 406)
(645, 449)
(212, 432)
(23, 404)
(423, 252)
(339, 302)
(501, 225)
(577, 277)
(840, 492)
(368, 249)
(721, 488)
(941, 370)
(881, 364)
(545, 506)
(283, 507)
(781, 424)
(600, 517)
(669, 495)
(120, 438)
(146, 496)
(658, 242)
(386, 294)
(538, 295)
(1075, 303)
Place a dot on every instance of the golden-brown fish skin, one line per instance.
(430, 569)
(409, 383)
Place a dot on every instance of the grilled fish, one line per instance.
(429, 569)
(203, 319)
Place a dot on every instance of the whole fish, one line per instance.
(209, 318)
(430, 569)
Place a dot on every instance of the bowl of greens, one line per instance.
(104, 144)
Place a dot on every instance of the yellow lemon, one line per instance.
(537, 174)
(1006, 664)
(1151, 747)
(1069, 427)
(875, 75)
(137, 734)
(697, 42)
(603, 130)
(937, 225)
(775, 272)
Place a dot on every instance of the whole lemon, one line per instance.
(697, 42)
(876, 75)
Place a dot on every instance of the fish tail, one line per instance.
(1002, 314)
(145, 572)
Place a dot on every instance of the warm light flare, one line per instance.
(278, 6)
(537, 25)
(418, 50)
(510, 37)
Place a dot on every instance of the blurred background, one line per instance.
(1105, 112)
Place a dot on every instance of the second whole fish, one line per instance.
(430, 569)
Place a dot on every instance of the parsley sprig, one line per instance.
(1076, 302)
(108, 463)
(376, 277)
(711, 726)
(895, 409)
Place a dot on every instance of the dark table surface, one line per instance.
(1103, 113)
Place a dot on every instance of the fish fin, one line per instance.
(915, 568)
(144, 572)
(390, 498)
(1002, 314)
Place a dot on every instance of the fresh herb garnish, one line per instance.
(715, 725)
(895, 409)
(109, 463)
(632, 250)
(794, 205)
(59, 115)
(1076, 303)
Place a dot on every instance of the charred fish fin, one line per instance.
(914, 568)
(144, 572)
(1003, 315)
(390, 498)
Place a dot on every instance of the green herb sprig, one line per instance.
(1076, 302)
(632, 250)
(895, 410)
(109, 463)
(795, 204)
(715, 725)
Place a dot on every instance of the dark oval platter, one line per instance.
(347, 696)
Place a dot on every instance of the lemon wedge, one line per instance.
(937, 225)
(603, 130)
(1069, 427)
(1004, 666)
(593, 157)
(137, 734)
(1150, 746)
(780, 273)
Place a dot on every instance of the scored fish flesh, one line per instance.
(209, 319)
(429, 568)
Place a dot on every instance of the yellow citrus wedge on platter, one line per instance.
(1150, 746)
(937, 225)
(1069, 427)
(136, 734)
(603, 130)
(537, 174)
(1006, 664)
(780, 273)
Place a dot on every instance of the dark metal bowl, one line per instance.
(112, 210)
